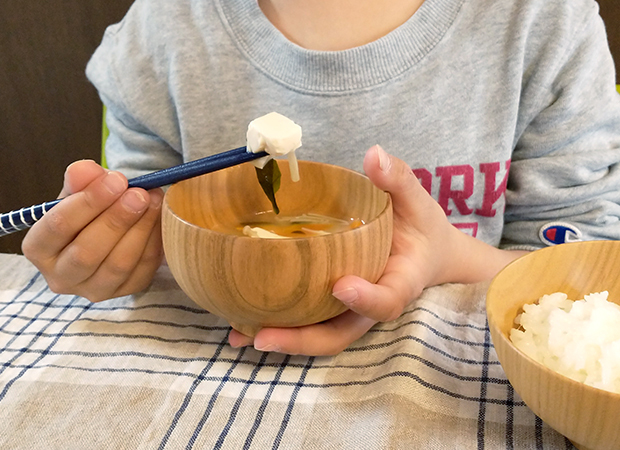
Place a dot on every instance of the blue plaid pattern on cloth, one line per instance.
(154, 371)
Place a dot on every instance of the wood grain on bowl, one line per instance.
(586, 415)
(254, 283)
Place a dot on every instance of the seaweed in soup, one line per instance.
(269, 178)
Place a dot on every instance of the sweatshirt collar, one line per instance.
(334, 72)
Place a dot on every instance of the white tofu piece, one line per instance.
(258, 232)
(277, 135)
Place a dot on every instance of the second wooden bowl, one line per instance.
(255, 283)
(586, 415)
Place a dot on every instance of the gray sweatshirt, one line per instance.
(506, 110)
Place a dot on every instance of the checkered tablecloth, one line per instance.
(153, 371)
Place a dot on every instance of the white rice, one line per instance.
(579, 339)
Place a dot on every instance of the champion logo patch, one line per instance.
(559, 233)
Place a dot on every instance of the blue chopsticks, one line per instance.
(26, 217)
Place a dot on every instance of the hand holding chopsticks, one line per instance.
(26, 217)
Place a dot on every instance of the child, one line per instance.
(463, 92)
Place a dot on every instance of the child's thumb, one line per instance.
(394, 176)
(78, 175)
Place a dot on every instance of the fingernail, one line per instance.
(156, 199)
(79, 161)
(384, 159)
(134, 201)
(347, 296)
(268, 348)
(114, 182)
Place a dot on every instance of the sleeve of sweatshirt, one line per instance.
(565, 168)
(144, 132)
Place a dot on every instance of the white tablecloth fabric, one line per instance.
(154, 371)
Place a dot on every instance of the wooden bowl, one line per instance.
(587, 416)
(255, 283)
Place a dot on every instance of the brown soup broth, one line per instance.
(305, 225)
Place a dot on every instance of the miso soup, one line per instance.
(306, 225)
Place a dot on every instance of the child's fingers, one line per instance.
(393, 175)
(80, 174)
(83, 256)
(326, 338)
(61, 225)
(385, 300)
(150, 261)
(237, 339)
(129, 266)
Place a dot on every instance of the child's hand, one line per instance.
(426, 250)
(103, 240)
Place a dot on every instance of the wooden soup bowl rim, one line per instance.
(387, 207)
